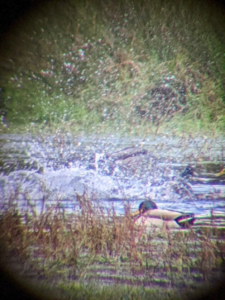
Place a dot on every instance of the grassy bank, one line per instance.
(70, 252)
(132, 67)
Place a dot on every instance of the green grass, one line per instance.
(97, 66)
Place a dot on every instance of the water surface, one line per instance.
(55, 169)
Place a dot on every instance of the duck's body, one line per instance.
(189, 171)
(150, 215)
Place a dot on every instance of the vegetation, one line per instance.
(133, 67)
(125, 66)
(67, 252)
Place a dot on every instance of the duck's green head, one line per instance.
(145, 206)
(188, 171)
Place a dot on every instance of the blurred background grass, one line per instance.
(132, 67)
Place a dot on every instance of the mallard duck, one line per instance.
(148, 214)
(189, 171)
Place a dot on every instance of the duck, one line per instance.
(189, 171)
(149, 215)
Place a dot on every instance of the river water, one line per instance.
(53, 170)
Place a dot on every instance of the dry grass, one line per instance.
(94, 243)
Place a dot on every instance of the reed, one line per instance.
(67, 252)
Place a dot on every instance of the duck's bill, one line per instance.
(135, 214)
(221, 173)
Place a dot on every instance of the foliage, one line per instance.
(100, 66)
